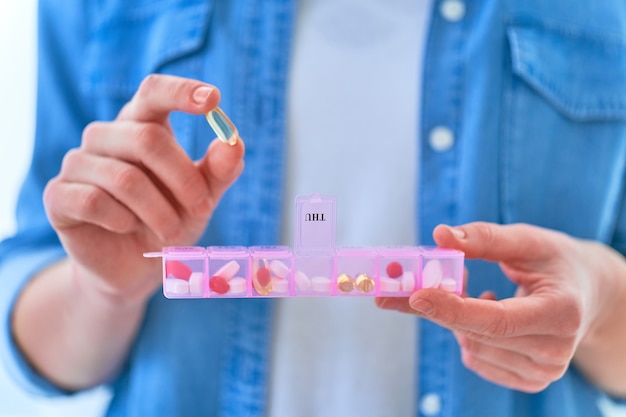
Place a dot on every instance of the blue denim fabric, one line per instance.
(534, 92)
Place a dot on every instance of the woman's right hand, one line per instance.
(130, 188)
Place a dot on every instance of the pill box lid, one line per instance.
(315, 231)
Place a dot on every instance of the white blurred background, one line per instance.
(17, 100)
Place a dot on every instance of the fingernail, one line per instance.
(201, 94)
(423, 306)
(458, 233)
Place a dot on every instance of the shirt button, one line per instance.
(441, 139)
(430, 405)
(452, 10)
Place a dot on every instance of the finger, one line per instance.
(72, 204)
(127, 184)
(542, 349)
(512, 360)
(159, 95)
(501, 376)
(221, 166)
(537, 314)
(499, 243)
(151, 146)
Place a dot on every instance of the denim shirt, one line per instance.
(533, 92)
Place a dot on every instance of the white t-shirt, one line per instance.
(354, 96)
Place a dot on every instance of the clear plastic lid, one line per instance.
(315, 225)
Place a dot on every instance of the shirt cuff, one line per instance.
(15, 272)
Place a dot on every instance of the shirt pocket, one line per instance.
(564, 139)
(130, 39)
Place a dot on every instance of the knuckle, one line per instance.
(92, 132)
(150, 82)
(558, 352)
(91, 201)
(469, 359)
(501, 326)
(70, 159)
(127, 179)
(148, 137)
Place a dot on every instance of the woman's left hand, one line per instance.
(570, 301)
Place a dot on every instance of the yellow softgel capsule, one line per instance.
(364, 283)
(222, 126)
(345, 283)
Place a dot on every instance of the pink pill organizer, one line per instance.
(315, 266)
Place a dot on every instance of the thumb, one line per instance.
(221, 165)
(498, 243)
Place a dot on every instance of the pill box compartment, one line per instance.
(441, 268)
(399, 268)
(271, 271)
(228, 271)
(184, 272)
(356, 272)
(313, 275)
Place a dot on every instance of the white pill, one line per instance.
(432, 274)
(320, 284)
(279, 269)
(448, 284)
(303, 283)
(408, 281)
(280, 285)
(195, 283)
(389, 284)
(238, 285)
(228, 270)
(176, 286)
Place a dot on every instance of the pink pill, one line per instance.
(394, 270)
(177, 269)
(219, 284)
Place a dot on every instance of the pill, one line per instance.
(280, 285)
(195, 283)
(320, 284)
(222, 126)
(345, 284)
(238, 285)
(262, 281)
(408, 282)
(176, 286)
(228, 270)
(177, 269)
(263, 276)
(448, 284)
(432, 274)
(279, 269)
(394, 270)
(303, 283)
(389, 284)
(219, 284)
(364, 283)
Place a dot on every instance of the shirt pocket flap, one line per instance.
(581, 75)
(124, 49)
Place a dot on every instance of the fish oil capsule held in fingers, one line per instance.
(222, 126)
